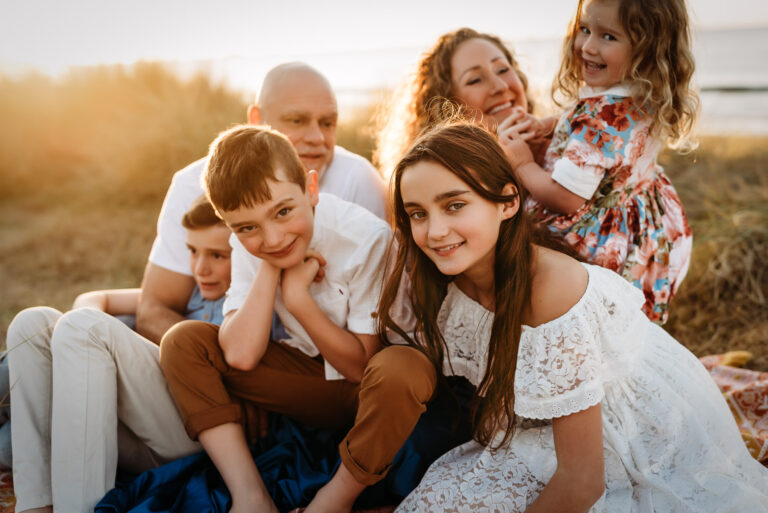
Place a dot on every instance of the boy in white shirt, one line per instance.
(318, 262)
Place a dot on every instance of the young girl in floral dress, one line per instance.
(628, 66)
(583, 404)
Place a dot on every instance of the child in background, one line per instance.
(88, 393)
(209, 251)
(628, 66)
(586, 404)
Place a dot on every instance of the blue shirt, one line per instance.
(201, 309)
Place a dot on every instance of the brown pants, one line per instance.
(397, 383)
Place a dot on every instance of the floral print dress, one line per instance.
(633, 221)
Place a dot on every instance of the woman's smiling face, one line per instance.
(483, 79)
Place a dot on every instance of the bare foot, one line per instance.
(254, 505)
(327, 502)
(338, 496)
(253, 500)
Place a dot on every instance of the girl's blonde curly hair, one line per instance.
(661, 66)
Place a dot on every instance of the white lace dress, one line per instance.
(670, 442)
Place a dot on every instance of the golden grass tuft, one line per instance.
(84, 165)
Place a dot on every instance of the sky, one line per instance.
(355, 43)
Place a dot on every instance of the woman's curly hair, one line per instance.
(420, 104)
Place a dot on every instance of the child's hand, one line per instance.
(297, 279)
(516, 149)
(524, 124)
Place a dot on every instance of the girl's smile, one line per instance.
(452, 224)
(602, 44)
(448, 250)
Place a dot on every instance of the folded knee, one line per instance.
(81, 326)
(187, 338)
(402, 369)
(30, 323)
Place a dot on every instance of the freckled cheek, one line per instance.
(470, 100)
(300, 229)
(223, 271)
(252, 245)
(419, 234)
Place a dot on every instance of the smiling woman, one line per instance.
(483, 79)
(469, 67)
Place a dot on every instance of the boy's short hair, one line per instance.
(201, 214)
(240, 162)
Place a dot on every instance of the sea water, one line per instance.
(731, 77)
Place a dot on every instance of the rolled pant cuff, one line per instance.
(361, 475)
(224, 414)
(36, 501)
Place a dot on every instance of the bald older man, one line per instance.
(296, 100)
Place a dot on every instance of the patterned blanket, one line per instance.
(746, 393)
(7, 499)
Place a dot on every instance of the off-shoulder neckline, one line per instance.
(568, 313)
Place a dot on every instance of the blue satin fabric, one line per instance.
(295, 461)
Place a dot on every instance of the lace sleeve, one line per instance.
(558, 369)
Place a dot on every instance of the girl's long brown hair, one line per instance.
(473, 155)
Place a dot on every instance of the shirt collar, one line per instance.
(319, 225)
(622, 89)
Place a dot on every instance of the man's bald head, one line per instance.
(297, 100)
(286, 75)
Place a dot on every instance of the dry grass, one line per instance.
(722, 304)
(85, 163)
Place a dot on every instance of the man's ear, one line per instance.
(312, 187)
(254, 115)
(510, 208)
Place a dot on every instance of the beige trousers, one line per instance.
(87, 394)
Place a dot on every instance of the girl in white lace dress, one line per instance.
(584, 404)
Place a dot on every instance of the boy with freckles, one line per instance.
(317, 261)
